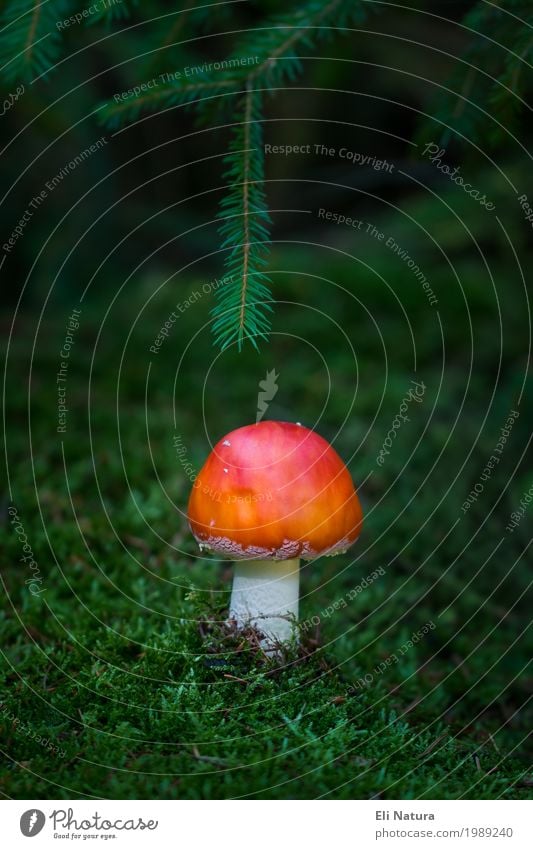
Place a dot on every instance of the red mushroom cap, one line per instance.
(274, 490)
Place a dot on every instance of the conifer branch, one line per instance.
(114, 114)
(30, 42)
(246, 211)
(298, 35)
(243, 307)
(243, 303)
(34, 19)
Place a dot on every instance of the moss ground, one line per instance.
(120, 662)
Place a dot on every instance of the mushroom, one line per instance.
(269, 494)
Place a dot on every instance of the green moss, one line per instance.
(112, 663)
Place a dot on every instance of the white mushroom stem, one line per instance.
(265, 595)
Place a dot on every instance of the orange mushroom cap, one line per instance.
(274, 490)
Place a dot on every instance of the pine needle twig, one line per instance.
(30, 42)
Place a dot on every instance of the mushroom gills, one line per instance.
(265, 595)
